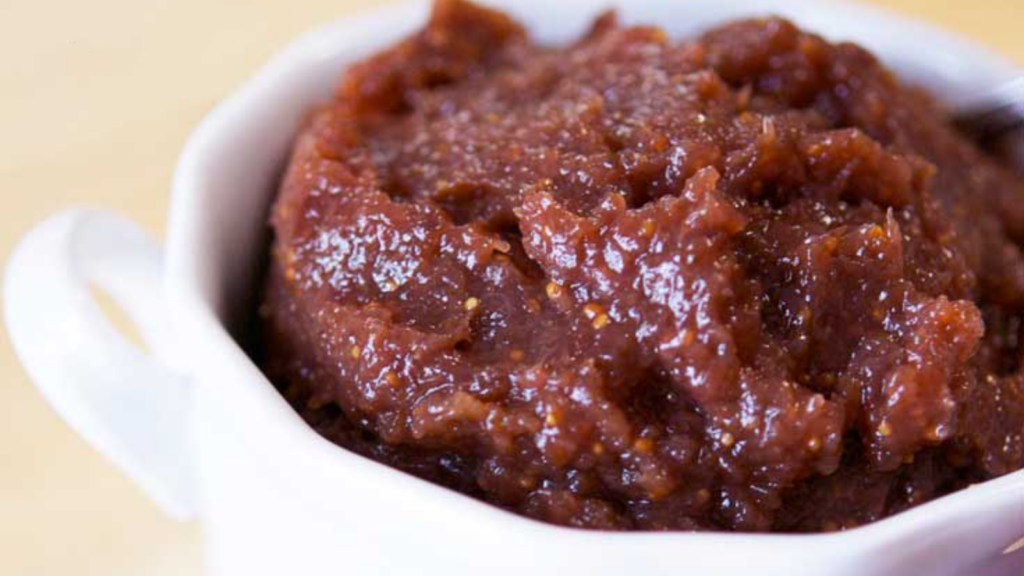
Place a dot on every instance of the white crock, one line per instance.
(194, 422)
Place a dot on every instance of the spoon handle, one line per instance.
(995, 113)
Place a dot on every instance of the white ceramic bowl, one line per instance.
(197, 425)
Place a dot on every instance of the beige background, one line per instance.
(96, 98)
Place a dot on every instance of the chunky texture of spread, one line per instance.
(746, 281)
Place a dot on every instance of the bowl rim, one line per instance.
(192, 287)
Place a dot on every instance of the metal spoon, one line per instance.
(995, 119)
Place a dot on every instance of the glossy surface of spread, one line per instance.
(747, 281)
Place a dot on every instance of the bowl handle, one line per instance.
(121, 399)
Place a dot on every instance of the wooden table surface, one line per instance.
(96, 98)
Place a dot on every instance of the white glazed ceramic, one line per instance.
(197, 425)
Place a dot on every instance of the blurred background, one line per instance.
(96, 99)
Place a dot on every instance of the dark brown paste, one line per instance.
(747, 281)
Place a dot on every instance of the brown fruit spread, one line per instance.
(747, 281)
